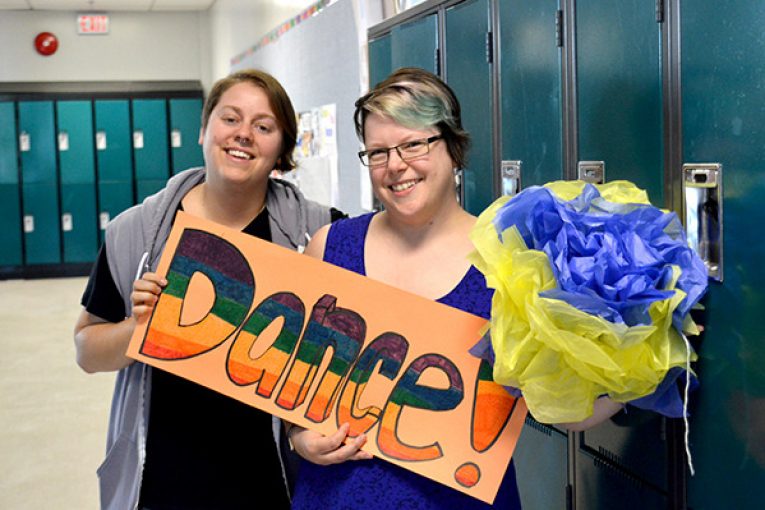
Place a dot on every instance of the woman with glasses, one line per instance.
(411, 128)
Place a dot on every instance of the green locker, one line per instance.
(10, 207)
(540, 466)
(619, 96)
(78, 180)
(468, 73)
(723, 121)
(114, 158)
(42, 240)
(380, 65)
(150, 145)
(113, 200)
(148, 187)
(185, 122)
(150, 139)
(530, 92)
(619, 86)
(414, 44)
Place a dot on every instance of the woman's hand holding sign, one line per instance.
(325, 450)
(146, 291)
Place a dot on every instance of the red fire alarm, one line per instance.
(46, 43)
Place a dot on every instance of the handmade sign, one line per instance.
(320, 346)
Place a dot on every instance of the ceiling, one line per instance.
(106, 5)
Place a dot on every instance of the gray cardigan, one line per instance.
(144, 228)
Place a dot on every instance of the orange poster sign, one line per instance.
(319, 346)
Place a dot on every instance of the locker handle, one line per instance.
(67, 225)
(511, 176)
(703, 213)
(593, 172)
(101, 140)
(138, 139)
(175, 138)
(29, 223)
(25, 142)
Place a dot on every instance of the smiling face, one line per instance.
(242, 139)
(417, 190)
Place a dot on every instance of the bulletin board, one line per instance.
(318, 63)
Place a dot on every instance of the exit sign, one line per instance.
(92, 24)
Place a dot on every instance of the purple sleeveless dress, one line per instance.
(376, 484)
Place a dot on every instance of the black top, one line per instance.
(204, 450)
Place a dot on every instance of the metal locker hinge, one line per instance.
(559, 28)
(489, 48)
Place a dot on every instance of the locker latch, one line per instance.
(702, 194)
(593, 172)
(511, 177)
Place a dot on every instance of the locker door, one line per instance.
(150, 146)
(78, 180)
(185, 120)
(540, 466)
(42, 240)
(619, 86)
(10, 207)
(114, 158)
(380, 65)
(469, 75)
(723, 72)
(531, 89)
(623, 462)
(530, 77)
(414, 44)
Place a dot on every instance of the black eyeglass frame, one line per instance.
(426, 141)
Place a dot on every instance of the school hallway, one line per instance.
(53, 416)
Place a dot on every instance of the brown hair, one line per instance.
(417, 99)
(278, 100)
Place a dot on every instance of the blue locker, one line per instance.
(114, 158)
(42, 239)
(10, 206)
(185, 122)
(469, 74)
(78, 180)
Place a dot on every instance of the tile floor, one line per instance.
(53, 416)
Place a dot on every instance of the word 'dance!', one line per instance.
(320, 346)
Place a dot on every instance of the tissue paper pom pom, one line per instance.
(592, 289)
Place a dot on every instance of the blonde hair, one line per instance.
(417, 99)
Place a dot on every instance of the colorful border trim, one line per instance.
(285, 27)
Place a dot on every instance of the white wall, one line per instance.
(236, 25)
(140, 46)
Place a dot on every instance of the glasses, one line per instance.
(406, 151)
